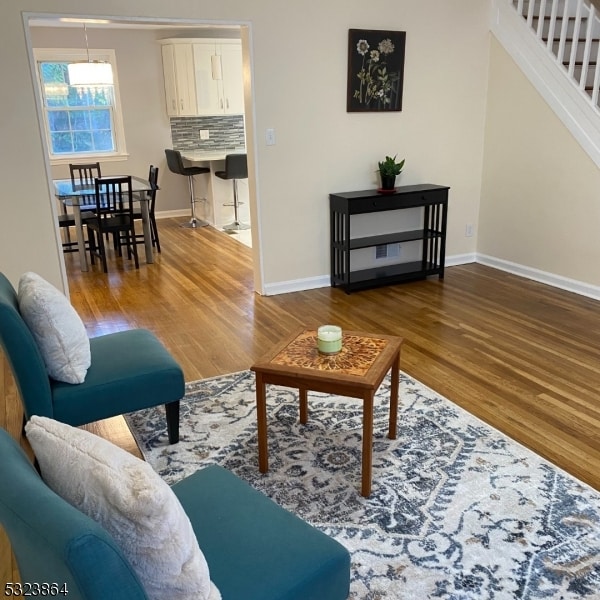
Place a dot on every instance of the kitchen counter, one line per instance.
(217, 210)
(208, 155)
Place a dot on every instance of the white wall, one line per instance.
(539, 201)
(323, 149)
(299, 54)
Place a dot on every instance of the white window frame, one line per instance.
(74, 55)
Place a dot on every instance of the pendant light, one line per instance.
(90, 74)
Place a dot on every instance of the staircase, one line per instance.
(570, 30)
(557, 45)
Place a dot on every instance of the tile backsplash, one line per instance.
(225, 132)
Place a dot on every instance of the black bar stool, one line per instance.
(175, 164)
(236, 167)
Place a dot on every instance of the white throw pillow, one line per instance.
(56, 327)
(131, 501)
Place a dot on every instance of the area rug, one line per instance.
(457, 510)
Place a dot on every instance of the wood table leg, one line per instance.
(303, 394)
(261, 424)
(395, 384)
(367, 452)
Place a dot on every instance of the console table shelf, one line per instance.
(389, 238)
(433, 199)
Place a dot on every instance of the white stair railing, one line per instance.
(570, 31)
(556, 43)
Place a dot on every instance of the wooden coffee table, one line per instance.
(357, 371)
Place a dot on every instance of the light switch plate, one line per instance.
(204, 134)
(270, 137)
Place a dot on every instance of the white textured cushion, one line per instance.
(130, 500)
(56, 327)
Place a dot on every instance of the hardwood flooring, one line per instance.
(522, 356)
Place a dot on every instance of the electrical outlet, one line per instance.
(204, 134)
(469, 230)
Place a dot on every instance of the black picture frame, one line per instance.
(375, 70)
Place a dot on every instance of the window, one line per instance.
(79, 123)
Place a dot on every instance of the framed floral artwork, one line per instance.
(375, 70)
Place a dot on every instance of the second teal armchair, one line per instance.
(130, 370)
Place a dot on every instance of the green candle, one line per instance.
(329, 339)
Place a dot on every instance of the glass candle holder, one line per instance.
(329, 339)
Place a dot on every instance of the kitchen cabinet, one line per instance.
(219, 77)
(203, 77)
(180, 86)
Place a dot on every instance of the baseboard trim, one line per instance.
(167, 214)
(297, 285)
(563, 283)
(311, 283)
(460, 259)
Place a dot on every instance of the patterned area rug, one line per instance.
(458, 510)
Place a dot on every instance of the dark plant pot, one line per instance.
(388, 182)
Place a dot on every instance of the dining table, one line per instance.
(77, 196)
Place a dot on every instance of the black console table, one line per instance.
(434, 201)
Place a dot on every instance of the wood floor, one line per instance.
(522, 356)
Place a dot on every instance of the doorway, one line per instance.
(41, 28)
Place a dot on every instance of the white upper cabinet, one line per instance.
(208, 96)
(203, 77)
(232, 79)
(219, 77)
(180, 86)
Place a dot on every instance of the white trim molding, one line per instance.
(460, 259)
(297, 285)
(168, 214)
(311, 283)
(564, 283)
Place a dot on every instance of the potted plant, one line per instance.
(388, 170)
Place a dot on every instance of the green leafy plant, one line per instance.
(389, 167)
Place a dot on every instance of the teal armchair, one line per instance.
(52, 541)
(130, 370)
(255, 549)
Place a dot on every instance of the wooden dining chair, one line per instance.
(81, 174)
(85, 173)
(153, 180)
(114, 216)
